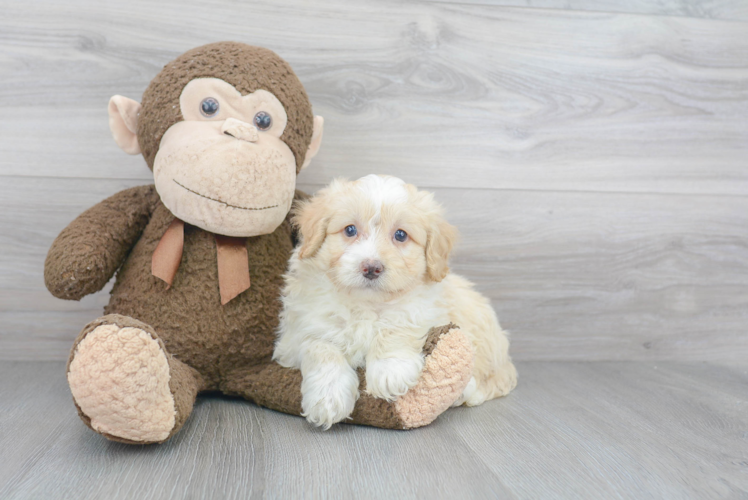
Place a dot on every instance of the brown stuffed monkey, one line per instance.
(200, 255)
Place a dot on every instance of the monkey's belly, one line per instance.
(212, 338)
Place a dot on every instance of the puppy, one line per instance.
(368, 281)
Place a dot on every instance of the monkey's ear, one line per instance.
(123, 122)
(319, 123)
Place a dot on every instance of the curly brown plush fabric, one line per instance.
(245, 67)
(89, 251)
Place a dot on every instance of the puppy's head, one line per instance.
(376, 235)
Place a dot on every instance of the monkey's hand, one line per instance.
(89, 251)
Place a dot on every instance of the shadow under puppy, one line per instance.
(369, 279)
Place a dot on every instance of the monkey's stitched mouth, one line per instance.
(219, 201)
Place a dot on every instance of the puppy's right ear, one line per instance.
(312, 219)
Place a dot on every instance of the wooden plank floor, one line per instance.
(570, 430)
(593, 154)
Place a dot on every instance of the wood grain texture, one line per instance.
(578, 276)
(593, 155)
(569, 430)
(727, 10)
(594, 162)
(519, 98)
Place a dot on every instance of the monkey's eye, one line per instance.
(401, 235)
(209, 107)
(263, 121)
(351, 231)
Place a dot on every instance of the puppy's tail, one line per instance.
(498, 383)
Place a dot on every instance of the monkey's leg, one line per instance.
(446, 373)
(125, 384)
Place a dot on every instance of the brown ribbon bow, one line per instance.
(233, 260)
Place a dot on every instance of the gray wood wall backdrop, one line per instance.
(593, 152)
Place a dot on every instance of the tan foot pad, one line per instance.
(119, 378)
(446, 373)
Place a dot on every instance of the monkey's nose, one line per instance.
(239, 130)
(372, 269)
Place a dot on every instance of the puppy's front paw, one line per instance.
(328, 398)
(390, 378)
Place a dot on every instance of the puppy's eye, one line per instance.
(209, 107)
(263, 121)
(401, 235)
(351, 231)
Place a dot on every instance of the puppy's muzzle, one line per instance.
(372, 269)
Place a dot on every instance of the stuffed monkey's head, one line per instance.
(225, 128)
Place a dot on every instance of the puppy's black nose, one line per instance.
(371, 269)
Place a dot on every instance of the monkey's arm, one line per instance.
(89, 251)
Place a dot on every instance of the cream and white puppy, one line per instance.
(368, 281)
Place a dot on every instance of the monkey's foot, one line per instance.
(446, 373)
(119, 375)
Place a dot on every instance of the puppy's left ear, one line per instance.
(312, 219)
(441, 238)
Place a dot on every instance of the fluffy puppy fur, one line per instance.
(359, 294)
